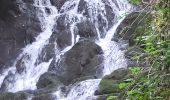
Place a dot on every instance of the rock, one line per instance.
(62, 32)
(48, 52)
(44, 97)
(14, 96)
(83, 8)
(110, 15)
(110, 83)
(117, 74)
(132, 26)
(28, 1)
(87, 29)
(7, 82)
(84, 59)
(19, 25)
(58, 3)
(8, 8)
(100, 19)
(48, 80)
(108, 86)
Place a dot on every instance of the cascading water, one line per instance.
(113, 56)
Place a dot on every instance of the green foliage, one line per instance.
(112, 98)
(135, 70)
(155, 41)
(135, 2)
(123, 85)
(152, 83)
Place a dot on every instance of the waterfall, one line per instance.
(113, 56)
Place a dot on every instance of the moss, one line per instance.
(109, 86)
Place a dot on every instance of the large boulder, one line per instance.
(19, 25)
(110, 83)
(84, 59)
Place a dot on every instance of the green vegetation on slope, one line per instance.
(155, 42)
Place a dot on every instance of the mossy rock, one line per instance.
(118, 74)
(110, 83)
(108, 86)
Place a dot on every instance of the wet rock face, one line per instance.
(84, 59)
(8, 8)
(62, 32)
(7, 82)
(86, 29)
(19, 25)
(58, 3)
(110, 15)
(44, 97)
(14, 96)
(28, 1)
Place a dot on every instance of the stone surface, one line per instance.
(19, 25)
(131, 27)
(58, 3)
(14, 96)
(48, 80)
(86, 29)
(44, 97)
(62, 32)
(10, 78)
(84, 59)
(99, 19)
(110, 83)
